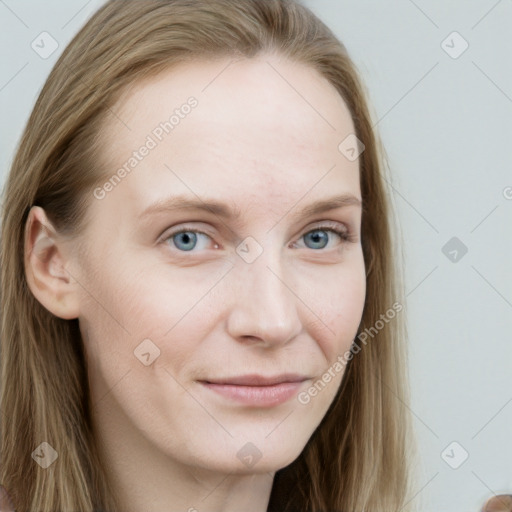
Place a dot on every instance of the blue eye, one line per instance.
(319, 236)
(186, 240)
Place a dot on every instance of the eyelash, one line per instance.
(345, 235)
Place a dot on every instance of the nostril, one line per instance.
(499, 503)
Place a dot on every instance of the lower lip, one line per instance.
(257, 396)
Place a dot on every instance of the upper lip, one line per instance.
(258, 380)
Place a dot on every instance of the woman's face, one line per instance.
(259, 285)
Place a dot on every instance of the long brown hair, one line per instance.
(358, 457)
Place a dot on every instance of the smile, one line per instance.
(257, 391)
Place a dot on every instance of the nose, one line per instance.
(263, 303)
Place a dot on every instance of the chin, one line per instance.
(247, 458)
(268, 457)
(264, 465)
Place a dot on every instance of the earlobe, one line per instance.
(45, 267)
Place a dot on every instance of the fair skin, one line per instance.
(254, 143)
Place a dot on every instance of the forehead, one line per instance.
(263, 129)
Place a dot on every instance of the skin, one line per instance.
(252, 142)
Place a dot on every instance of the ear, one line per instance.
(45, 261)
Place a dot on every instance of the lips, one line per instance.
(258, 380)
(256, 390)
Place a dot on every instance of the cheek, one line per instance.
(121, 310)
(141, 299)
(167, 307)
(340, 307)
(162, 302)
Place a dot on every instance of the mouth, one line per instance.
(257, 390)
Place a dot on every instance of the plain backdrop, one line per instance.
(439, 77)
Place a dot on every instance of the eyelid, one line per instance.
(340, 228)
(316, 225)
(174, 230)
(328, 224)
(167, 235)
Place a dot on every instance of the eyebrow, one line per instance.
(233, 213)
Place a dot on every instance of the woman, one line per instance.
(200, 304)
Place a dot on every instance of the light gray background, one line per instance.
(446, 125)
